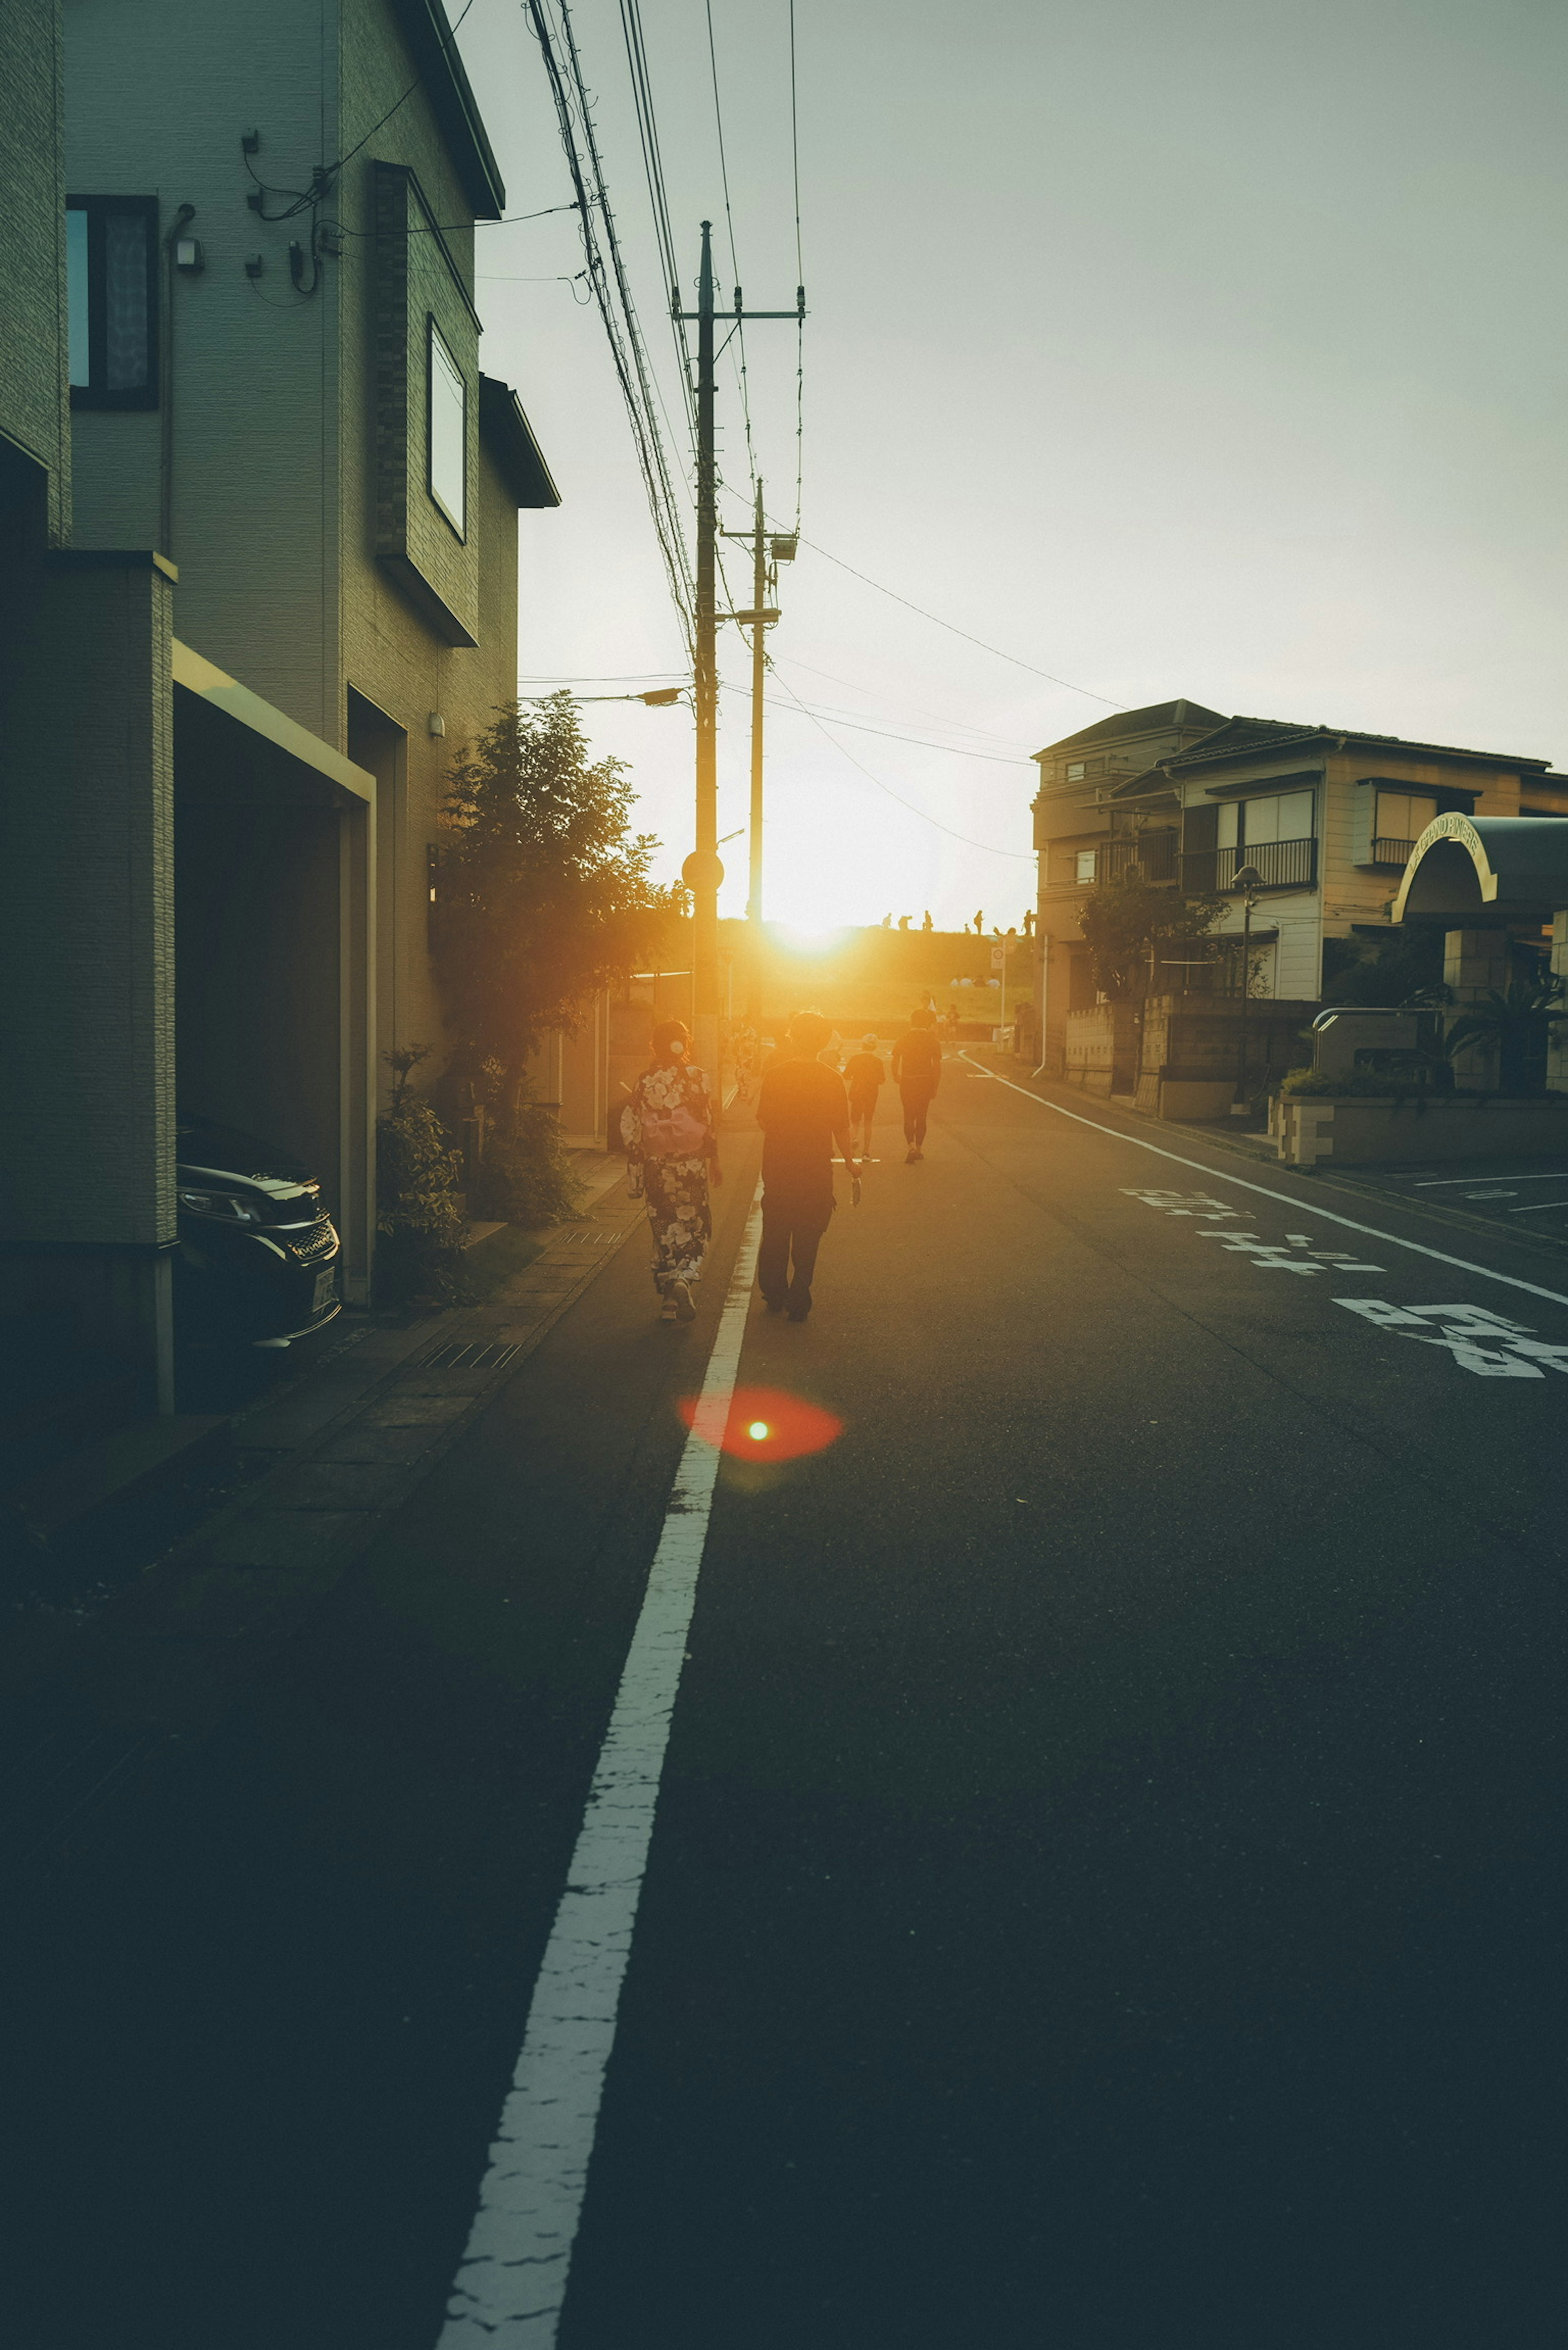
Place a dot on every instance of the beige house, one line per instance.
(1326, 817)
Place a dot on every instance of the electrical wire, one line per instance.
(325, 175)
(955, 630)
(659, 200)
(957, 725)
(622, 333)
(439, 228)
(1018, 855)
(730, 228)
(858, 726)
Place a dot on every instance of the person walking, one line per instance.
(864, 1078)
(917, 1073)
(669, 1128)
(803, 1111)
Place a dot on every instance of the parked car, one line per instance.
(257, 1262)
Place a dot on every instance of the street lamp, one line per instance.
(1249, 880)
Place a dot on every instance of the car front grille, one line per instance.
(319, 1241)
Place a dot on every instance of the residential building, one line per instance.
(1082, 837)
(1325, 817)
(288, 598)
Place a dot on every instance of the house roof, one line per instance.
(1151, 721)
(508, 435)
(1252, 738)
(440, 69)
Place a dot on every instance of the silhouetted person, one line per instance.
(928, 924)
(864, 1078)
(669, 1129)
(803, 1112)
(904, 922)
(917, 1072)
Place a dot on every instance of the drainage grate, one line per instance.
(455, 1355)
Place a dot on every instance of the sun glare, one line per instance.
(797, 940)
(771, 1424)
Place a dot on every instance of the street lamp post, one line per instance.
(1250, 880)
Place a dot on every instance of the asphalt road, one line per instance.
(1107, 1884)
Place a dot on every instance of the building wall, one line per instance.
(35, 412)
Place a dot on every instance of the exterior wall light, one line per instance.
(436, 722)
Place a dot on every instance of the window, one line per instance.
(112, 278)
(1075, 769)
(1086, 865)
(1253, 823)
(447, 436)
(1402, 817)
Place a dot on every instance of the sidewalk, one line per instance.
(90, 1701)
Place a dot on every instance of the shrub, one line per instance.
(526, 1176)
(418, 1217)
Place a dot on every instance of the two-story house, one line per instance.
(1325, 817)
(242, 379)
(1083, 834)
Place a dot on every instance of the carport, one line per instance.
(275, 945)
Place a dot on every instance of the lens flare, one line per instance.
(766, 1424)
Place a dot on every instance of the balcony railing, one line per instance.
(1282, 864)
(1391, 852)
(1153, 852)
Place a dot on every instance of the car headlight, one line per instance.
(225, 1206)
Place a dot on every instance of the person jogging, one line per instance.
(864, 1078)
(917, 1073)
(803, 1111)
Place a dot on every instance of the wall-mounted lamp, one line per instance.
(436, 722)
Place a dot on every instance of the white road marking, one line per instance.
(1446, 1183)
(1541, 1207)
(1513, 1353)
(512, 2282)
(1284, 1199)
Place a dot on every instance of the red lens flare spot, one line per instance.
(764, 1424)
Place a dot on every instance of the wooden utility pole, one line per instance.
(702, 871)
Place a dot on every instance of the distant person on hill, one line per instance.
(917, 1072)
(803, 1112)
(928, 924)
(864, 1078)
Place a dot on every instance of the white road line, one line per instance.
(1446, 1183)
(1285, 1198)
(1541, 1208)
(512, 2282)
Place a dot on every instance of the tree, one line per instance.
(1124, 921)
(543, 892)
(1516, 1022)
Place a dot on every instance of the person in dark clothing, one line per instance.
(803, 1111)
(917, 1072)
(862, 1080)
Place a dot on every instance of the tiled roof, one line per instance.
(1157, 715)
(1245, 738)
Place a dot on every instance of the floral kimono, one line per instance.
(670, 1133)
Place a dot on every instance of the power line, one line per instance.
(959, 725)
(1018, 855)
(957, 632)
(636, 394)
(858, 726)
(730, 227)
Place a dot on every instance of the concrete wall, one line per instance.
(87, 937)
(34, 411)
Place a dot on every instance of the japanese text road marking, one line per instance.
(1478, 1340)
(1284, 1199)
(512, 2279)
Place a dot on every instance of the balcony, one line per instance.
(1152, 853)
(1283, 864)
(1392, 852)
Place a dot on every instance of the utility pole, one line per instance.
(759, 667)
(702, 871)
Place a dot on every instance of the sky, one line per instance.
(1212, 348)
